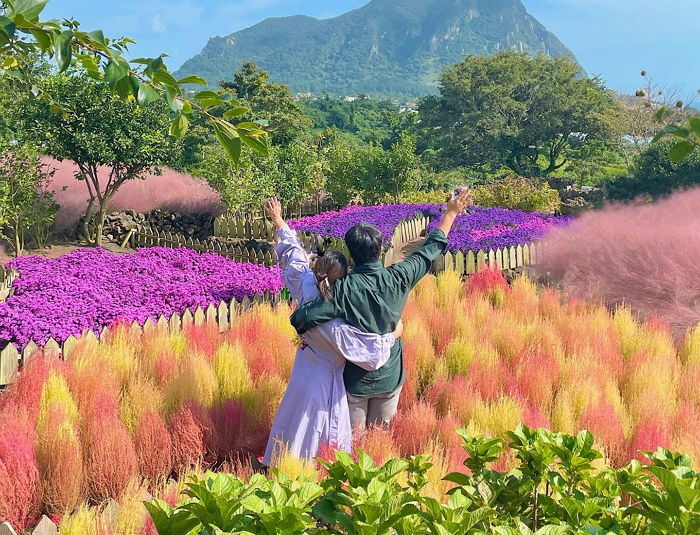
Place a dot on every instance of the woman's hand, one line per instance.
(273, 210)
(398, 332)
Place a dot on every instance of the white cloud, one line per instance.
(157, 24)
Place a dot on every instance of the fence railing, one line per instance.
(145, 237)
(223, 314)
(255, 226)
(6, 278)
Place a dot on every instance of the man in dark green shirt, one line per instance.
(372, 299)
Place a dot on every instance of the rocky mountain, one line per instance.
(388, 47)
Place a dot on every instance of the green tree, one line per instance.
(24, 36)
(531, 115)
(371, 174)
(97, 129)
(269, 102)
(655, 175)
(27, 207)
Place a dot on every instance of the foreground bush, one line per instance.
(482, 355)
(553, 488)
(643, 256)
(518, 193)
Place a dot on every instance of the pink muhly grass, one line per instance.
(171, 191)
(88, 384)
(689, 386)
(165, 369)
(189, 429)
(110, 455)
(533, 417)
(602, 420)
(642, 257)
(488, 380)
(378, 443)
(20, 486)
(153, 447)
(413, 429)
(25, 391)
(454, 395)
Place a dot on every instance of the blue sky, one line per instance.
(615, 39)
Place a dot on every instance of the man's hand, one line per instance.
(457, 204)
(455, 207)
(398, 332)
(273, 210)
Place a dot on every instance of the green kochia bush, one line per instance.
(554, 490)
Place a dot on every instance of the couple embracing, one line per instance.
(349, 372)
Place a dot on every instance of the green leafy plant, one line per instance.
(23, 35)
(518, 193)
(27, 207)
(554, 489)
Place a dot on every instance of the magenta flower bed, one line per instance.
(480, 228)
(89, 289)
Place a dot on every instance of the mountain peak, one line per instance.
(387, 47)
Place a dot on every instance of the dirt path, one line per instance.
(57, 250)
(405, 250)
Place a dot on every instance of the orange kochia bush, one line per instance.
(483, 355)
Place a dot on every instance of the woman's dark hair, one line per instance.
(364, 242)
(328, 268)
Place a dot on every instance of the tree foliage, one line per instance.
(27, 208)
(531, 115)
(23, 36)
(96, 128)
(270, 102)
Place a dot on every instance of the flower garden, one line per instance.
(148, 411)
(89, 289)
(479, 229)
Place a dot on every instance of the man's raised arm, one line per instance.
(417, 265)
(313, 314)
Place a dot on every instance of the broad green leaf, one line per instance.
(176, 104)
(680, 151)
(164, 77)
(147, 94)
(236, 112)
(97, 36)
(193, 80)
(7, 26)
(30, 9)
(229, 139)
(458, 478)
(42, 39)
(694, 123)
(209, 102)
(116, 71)
(690, 496)
(205, 95)
(63, 49)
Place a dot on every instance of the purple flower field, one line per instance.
(481, 228)
(92, 288)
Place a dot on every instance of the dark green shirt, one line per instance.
(372, 299)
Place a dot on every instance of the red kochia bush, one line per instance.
(413, 428)
(19, 473)
(642, 255)
(153, 447)
(110, 456)
(486, 281)
(189, 430)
